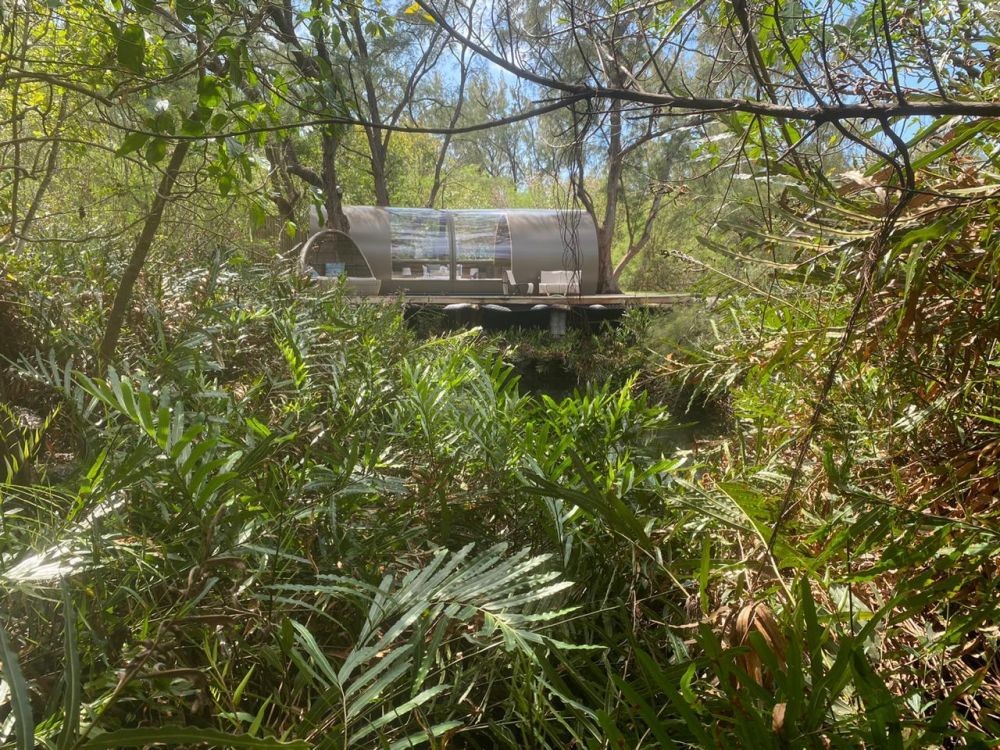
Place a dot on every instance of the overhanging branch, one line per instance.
(818, 114)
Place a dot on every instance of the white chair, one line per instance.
(559, 282)
(437, 272)
(511, 287)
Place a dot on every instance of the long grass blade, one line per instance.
(24, 722)
(71, 674)
(174, 736)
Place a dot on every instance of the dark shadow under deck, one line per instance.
(520, 302)
(554, 313)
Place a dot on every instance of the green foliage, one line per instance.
(880, 507)
(285, 478)
(347, 438)
(280, 518)
(17, 689)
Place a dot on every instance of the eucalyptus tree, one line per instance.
(385, 65)
(651, 180)
(33, 112)
(167, 82)
(154, 77)
(46, 81)
(295, 73)
(509, 151)
(197, 52)
(780, 74)
(595, 141)
(340, 66)
(454, 111)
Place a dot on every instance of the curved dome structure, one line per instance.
(473, 252)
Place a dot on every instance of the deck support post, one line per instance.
(557, 322)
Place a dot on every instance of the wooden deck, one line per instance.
(497, 311)
(521, 302)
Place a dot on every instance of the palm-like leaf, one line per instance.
(398, 663)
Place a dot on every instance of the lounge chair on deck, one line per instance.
(436, 272)
(559, 282)
(511, 287)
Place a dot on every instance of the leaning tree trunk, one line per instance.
(607, 283)
(373, 132)
(446, 143)
(332, 203)
(43, 186)
(283, 194)
(123, 296)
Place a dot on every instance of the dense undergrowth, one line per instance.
(268, 516)
(292, 518)
(284, 519)
(289, 521)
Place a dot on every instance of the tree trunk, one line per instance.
(376, 145)
(446, 142)
(283, 193)
(378, 167)
(116, 318)
(332, 204)
(636, 246)
(606, 281)
(43, 186)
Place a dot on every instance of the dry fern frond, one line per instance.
(756, 617)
